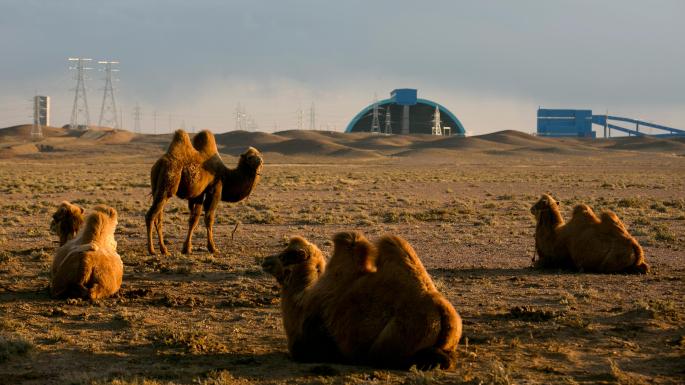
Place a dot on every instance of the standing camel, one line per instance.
(195, 172)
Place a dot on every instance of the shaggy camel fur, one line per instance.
(88, 266)
(297, 269)
(371, 305)
(66, 221)
(195, 172)
(586, 242)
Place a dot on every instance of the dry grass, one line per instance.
(214, 319)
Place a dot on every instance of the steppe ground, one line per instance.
(214, 319)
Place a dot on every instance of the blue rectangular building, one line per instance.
(565, 123)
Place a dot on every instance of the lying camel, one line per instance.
(374, 304)
(88, 266)
(195, 172)
(297, 269)
(586, 242)
(66, 221)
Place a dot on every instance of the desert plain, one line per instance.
(463, 203)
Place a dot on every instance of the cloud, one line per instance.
(201, 58)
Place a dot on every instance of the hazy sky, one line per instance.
(492, 63)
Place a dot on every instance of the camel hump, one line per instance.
(108, 211)
(180, 146)
(611, 221)
(359, 247)
(392, 247)
(205, 143)
(585, 213)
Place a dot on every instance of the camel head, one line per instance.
(66, 221)
(301, 260)
(251, 160)
(545, 203)
(352, 252)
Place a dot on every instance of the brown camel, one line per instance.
(88, 266)
(586, 242)
(195, 172)
(372, 304)
(66, 221)
(297, 269)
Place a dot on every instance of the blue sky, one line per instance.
(492, 63)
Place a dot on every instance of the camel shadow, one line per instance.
(158, 362)
(497, 272)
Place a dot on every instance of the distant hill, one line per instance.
(16, 140)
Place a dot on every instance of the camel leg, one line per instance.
(152, 218)
(393, 346)
(195, 207)
(159, 225)
(211, 202)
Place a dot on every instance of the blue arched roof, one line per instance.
(460, 130)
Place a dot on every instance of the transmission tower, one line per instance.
(80, 110)
(300, 119)
(136, 119)
(108, 111)
(437, 124)
(375, 122)
(312, 117)
(240, 118)
(388, 127)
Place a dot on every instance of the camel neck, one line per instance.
(237, 183)
(550, 219)
(545, 231)
(301, 279)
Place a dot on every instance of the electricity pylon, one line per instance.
(108, 112)
(437, 124)
(136, 119)
(375, 122)
(80, 110)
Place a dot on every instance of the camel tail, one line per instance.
(443, 353)
(450, 326)
(640, 266)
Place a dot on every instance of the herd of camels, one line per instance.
(369, 303)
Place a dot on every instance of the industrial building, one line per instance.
(405, 113)
(578, 123)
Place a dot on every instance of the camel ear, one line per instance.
(82, 210)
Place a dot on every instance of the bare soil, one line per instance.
(215, 319)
